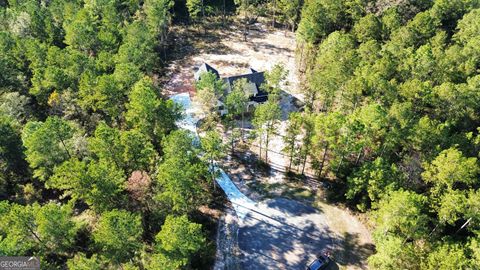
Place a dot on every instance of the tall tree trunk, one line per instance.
(266, 145)
(292, 148)
(224, 14)
(212, 168)
(320, 170)
(65, 147)
(343, 154)
(232, 146)
(464, 225)
(243, 126)
(260, 147)
(357, 160)
(203, 19)
(274, 10)
(245, 31)
(304, 163)
(300, 66)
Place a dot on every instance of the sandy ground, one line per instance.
(225, 50)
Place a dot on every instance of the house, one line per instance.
(255, 79)
(205, 68)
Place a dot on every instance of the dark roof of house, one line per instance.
(205, 68)
(255, 77)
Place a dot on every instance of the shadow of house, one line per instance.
(254, 78)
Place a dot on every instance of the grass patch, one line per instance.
(289, 190)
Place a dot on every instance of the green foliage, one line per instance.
(102, 94)
(138, 47)
(130, 150)
(81, 262)
(393, 91)
(81, 32)
(214, 150)
(48, 229)
(369, 183)
(47, 144)
(181, 174)
(367, 28)
(178, 240)
(99, 184)
(80, 106)
(393, 253)
(265, 120)
(236, 104)
(138, 151)
(449, 168)
(209, 89)
(237, 100)
(105, 144)
(118, 234)
(313, 26)
(291, 138)
(289, 11)
(15, 106)
(335, 63)
(274, 79)
(148, 113)
(11, 150)
(468, 27)
(195, 9)
(402, 214)
(158, 15)
(447, 256)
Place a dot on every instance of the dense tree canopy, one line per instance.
(84, 129)
(95, 175)
(393, 87)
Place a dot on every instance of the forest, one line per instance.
(95, 174)
(393, 92)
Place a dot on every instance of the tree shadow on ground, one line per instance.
(349, 251)
(270, 244)
(291, 207)
(267, 244)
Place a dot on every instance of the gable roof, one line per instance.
(205, 68)
(256, 78)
